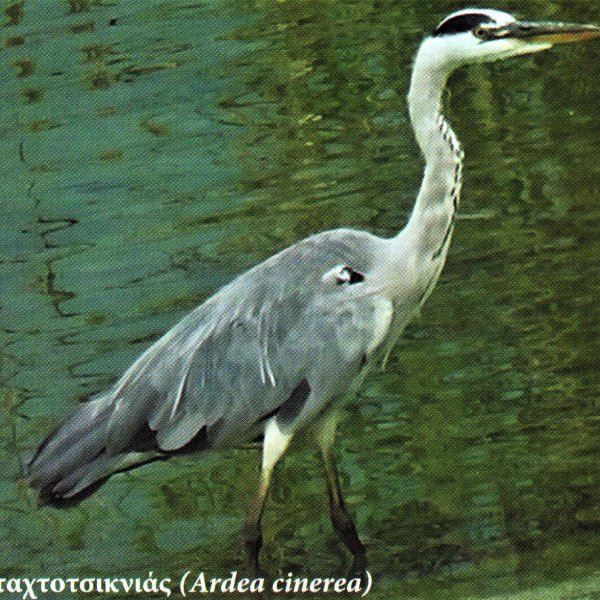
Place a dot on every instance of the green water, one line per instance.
(151, 150)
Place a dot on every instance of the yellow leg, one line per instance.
(275, 444)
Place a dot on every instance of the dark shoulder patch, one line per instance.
(349, 276)
(143, 440)
(461, 23)
(291, 408)
(355, 277)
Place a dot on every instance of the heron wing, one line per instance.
(238, 358)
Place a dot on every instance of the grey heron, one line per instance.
(276, 350)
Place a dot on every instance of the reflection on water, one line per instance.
(153, 150)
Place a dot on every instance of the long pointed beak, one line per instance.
(548, 33)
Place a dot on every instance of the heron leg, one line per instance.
(340, 517)
(274, 445)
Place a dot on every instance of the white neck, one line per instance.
(432, 219)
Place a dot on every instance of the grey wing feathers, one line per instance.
(241, 354)
(222, 369)
(234, 376)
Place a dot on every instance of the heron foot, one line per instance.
(346, 530)
(252, 545)
(359, 566)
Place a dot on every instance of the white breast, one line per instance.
(382, 319)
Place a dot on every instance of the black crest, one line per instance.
(462, 23)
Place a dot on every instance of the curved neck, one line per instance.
(432, 219)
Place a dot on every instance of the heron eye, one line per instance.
(349, 276)
(483, 33)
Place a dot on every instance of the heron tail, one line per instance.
(73, 461)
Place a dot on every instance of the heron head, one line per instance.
(480, 35)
